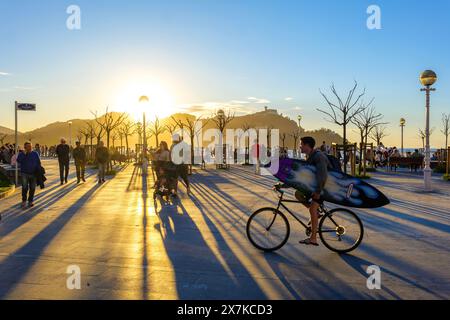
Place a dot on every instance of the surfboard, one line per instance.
(340, 188)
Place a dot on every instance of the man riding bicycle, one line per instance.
(322, 164)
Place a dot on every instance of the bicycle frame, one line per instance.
(281, 202)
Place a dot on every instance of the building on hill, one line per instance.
(271, 111)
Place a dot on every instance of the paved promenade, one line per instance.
(128, 247)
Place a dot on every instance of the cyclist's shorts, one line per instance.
(306, 197)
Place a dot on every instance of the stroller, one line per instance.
(165, 179)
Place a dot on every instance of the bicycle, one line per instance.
(335, 227)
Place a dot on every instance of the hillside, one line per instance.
(4, 130)
(51, 133)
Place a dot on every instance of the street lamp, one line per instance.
(402, 125)
(221, 154)
(70, 133)
(427, 78)
(299, 120)
(143, 100)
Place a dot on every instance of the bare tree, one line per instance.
(366, 121)
(79, 135)
(246, 127)
(221, 120)
(110, 122)
(155, 129)
(194, 126)
(446, 127)
(269, 131)
(423, 135)
(127, 129)
(342, 112)
(378, 133)
(296, 136)
(95, 128)
(171, 127)
(283, 137)
(114, 137)
(83, 133)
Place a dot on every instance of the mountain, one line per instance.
(269, 118)
(4, 130)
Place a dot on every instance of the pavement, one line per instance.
(126, 246)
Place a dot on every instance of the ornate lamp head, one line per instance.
(428, 78)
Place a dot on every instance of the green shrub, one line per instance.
(4, 181)
(440, 168)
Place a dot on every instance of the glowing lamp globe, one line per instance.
(428, 78)
(143, 99)
(402, 121)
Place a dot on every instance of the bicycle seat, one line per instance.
(278, 186)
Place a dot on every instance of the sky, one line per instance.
(201, 55)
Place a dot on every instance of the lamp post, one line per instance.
(427, 78)
(144, 99)
(402, 125)
(70, 133)
(299, 118)
(221, 118)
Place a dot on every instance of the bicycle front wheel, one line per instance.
(341, 230)
(268, 229)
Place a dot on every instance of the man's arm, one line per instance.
(38, 160)
(321, 172)
(19, 157)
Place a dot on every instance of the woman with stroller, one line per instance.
(162, 163)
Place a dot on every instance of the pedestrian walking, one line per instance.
(79, 156)
(182, 153)
(30, 166)
(102, 158)
(63, 153)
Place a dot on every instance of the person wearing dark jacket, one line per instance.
(102, 158)
(30, 165)
(79, 156)
(63, 153)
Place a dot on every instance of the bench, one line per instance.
(413, 163)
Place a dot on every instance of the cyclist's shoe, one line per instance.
(308, 242)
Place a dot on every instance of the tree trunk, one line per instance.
(345, 147)
(361, 148)
(128, 150)
(192, 150)
(365, 152)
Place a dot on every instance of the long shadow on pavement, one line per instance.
(16, 217)
(36, 245)
(199, 273)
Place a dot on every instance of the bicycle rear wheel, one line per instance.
(341, 230)
(268, 229)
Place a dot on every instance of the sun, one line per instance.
(161, 102)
